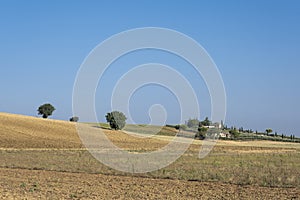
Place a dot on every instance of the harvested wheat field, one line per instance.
(45, 159)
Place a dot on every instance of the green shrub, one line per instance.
(116, 120)
(74, 119)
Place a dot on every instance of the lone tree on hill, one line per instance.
(116, 120)
(46, 110)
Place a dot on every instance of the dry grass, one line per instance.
(52, 145)
(30, 132)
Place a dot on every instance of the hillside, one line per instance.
(18, 131)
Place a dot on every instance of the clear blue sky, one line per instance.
(255, 45)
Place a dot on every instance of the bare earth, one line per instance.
(22, 135)
(39, 184)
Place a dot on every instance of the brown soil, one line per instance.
(36, 184)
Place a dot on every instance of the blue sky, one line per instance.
(255, 45)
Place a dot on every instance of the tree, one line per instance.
(46, 110)
(192, 123)
(201, 132)
(116, 120)
(205, 122)
(269, 131)
(222, 125)
(234, 133)
(225, 127)
(241, 129)
(74, 119)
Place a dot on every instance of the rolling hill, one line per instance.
(18, 131)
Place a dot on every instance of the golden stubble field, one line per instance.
(45, 159)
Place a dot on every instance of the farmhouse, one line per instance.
(214, 125)
(224, 135)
